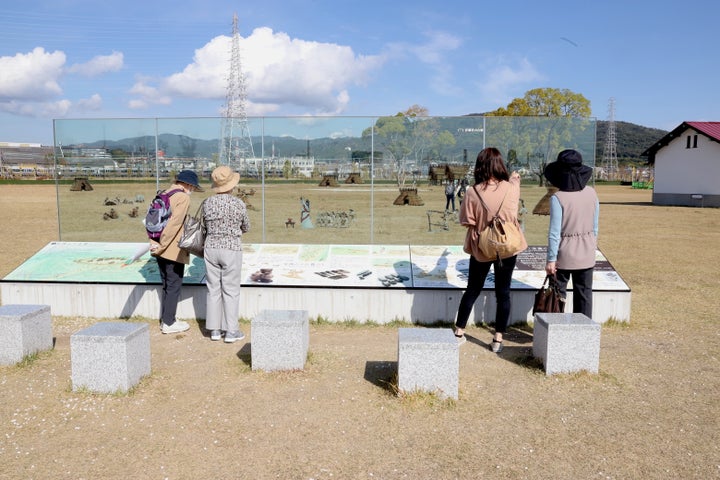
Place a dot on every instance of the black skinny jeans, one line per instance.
(582, 288)
(476, 280)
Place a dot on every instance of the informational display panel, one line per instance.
(296, 265)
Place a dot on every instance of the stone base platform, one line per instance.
(378, 283)
(280, 340)
(566, 342)
(24, 330)
(428, 361)
(110, 357)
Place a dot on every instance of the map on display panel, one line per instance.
(349, 266)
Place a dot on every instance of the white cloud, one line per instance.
(279, 70)
(92, 104)
(29, 81)
(99, 65)
(433, 51)
(148, 94)
(502, 80)
(55, 109)
(37, 109)
(205, 77)
(32, 76)
(137, 104)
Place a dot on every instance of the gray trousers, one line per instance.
(223, 275)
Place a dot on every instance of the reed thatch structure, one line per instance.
(543, 205)
(328, 181)
(409, 196)
(354, 178)
(81, 184)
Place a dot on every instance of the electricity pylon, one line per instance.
(235, 141)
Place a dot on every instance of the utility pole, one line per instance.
(235, 142)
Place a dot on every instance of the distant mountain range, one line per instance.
(631, 141)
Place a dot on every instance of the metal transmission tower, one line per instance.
(610, 161)
(235, 142)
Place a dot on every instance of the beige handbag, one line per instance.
(499, 239)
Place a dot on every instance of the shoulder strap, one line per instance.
(198, 214)
(485, 205)
(169, 193)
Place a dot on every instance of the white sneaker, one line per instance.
(177, 327)
(232, 337)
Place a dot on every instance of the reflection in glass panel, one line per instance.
(306, 180)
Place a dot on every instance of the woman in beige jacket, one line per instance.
(172, 259)
(498, 190)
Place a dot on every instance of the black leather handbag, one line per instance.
(548, 299)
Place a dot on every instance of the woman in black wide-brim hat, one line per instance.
(573, 231)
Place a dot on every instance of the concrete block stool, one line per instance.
(428, 360)
(566, 342)
(279, 340)
(110, 357)
(24, 330)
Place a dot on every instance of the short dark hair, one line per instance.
(490, 164)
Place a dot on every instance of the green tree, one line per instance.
(287, 169)
(547, 102)
(408, 139)
(552, 120)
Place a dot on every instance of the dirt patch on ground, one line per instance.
(651, 412)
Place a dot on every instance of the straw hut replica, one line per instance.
(328, 181)
(81, 184)
(354, 178)
(409, 196)
(543, 205)
(437, 175)
(455, 172)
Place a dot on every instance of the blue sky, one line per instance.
(146, 59)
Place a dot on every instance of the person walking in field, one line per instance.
(450, 195)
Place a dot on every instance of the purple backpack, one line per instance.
(158, 214)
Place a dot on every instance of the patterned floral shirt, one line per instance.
(226, 220)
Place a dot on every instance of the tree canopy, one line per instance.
(546, 102)
(409, 138)
(535, 141)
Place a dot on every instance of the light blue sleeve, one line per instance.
(596, 223)
(556, 214)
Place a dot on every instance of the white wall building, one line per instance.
(687, 165)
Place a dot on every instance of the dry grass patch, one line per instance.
(651, 412)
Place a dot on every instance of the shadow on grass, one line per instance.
(244, 354)
(382, 374)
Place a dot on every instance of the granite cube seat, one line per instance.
(110, 357)
(428, 360)
(24, 330)
(279, 340)
(566, 342)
